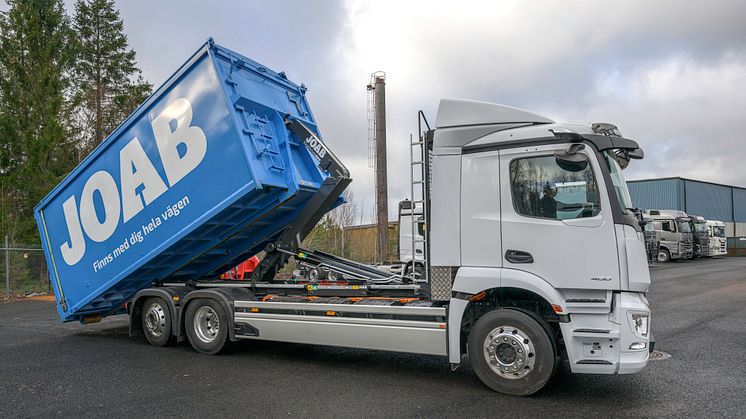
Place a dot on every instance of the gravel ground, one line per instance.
(46, 367)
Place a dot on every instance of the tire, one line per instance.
(663, 256)
(156, 321)
(206, 326)
(503, 368)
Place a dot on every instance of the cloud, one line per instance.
(670, 74)
(686, 114)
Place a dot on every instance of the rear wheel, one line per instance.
(512, 352)
(206, 326)
(156, 321)
(664, 256)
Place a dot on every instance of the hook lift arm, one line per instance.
(288, 243)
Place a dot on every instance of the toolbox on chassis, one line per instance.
(532, 252)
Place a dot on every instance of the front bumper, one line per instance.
(602, 343)
(703, 250)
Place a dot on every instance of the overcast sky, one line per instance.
(670, 74)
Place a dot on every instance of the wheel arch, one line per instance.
(224, 296)
(170, 295)
(515, 289)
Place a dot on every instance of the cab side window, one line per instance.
(668, 226)
(547, 188)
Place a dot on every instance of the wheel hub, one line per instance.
(509, 352)
(506, 354)
(155, 319)
(206, 324)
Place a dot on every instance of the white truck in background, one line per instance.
(716, 232)
(676, 236)
(411, 239)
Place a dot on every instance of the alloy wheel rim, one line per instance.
(206, 324)
(509, 352)
(155, 319)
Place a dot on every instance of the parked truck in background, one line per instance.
(533, 257)
(675, 231)
(411, 239)
(717, 241)
(701, 236)
(652, 242)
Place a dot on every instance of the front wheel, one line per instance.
(512, 352)
(664, 256)
(206, 326)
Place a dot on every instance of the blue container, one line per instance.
(201, 176)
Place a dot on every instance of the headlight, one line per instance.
(641, 324)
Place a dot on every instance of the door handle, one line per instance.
(518, 256)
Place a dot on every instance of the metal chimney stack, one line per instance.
(377, 155)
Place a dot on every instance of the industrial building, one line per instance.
(695, 197)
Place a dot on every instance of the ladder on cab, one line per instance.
(419, 177)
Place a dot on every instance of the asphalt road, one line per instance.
(699, 317)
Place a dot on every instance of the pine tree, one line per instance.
(108, 83)
(35, 152)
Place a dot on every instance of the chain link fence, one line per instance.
(23, 269)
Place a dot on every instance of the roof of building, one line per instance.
(687, 179)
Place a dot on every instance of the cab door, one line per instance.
(556, 218)
(480, 210)
(669, 236)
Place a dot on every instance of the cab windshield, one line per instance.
(620, 186)
(684, 226)
(718, 231)
(700, 227)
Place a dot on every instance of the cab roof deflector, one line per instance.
(459, 113)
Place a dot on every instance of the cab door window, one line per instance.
(669, 226)
(545, 188)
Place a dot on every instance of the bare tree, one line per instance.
(342, 217)
(328, 235)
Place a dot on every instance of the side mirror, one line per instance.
(622, 157)
(636, 154)
(571, 160)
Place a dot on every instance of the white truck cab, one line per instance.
(716, 231)
(535, 216)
